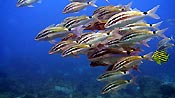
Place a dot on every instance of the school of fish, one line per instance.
(112, 37)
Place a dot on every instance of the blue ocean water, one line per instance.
(28, 71)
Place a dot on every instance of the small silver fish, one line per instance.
(141, 36)
(111, 75)
(78, 0)
(22, 3)
(140, 25)
(116, 85)
(165, 44)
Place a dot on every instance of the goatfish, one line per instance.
(160, 56)
(22, 3)
(84, 0)
(105, 12)
(166, 46)
(106, 57)
(116, 85)
(75, 21)
(111, 75)
(137, 37)
(130, 61)
(51, 32)
(94, 38)
(60, 46)
(77, 0)
(124, 18)
(140, 25)
(75, 50)
(112, 52)
(77, 6)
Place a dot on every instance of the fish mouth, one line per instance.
(18, 5)
(50, 52)
(36, 38)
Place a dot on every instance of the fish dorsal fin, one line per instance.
(128, 6)
(135, 9)
(39, 1)
(50, 26)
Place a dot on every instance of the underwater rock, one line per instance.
(168, 90)
(149, 87)
(66, 90)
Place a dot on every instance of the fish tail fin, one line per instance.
(172, 38)
(133, 80)
(107, 1)
(148, 56)
(160, 33)
(92, 3)
(78, 30)
(128, 6)
(156, 25)
(39, 1)
(152, 12)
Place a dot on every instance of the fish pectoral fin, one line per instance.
(75, 54)
(39, 1)
(158, 62)
(53, 42)
(30, 6)
(135, 67)
(145, 43)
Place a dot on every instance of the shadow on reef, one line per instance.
(61, 86)
(58, 84)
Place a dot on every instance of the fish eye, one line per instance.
(154, 32)
(90, 16)
(145, 13)
(108, 33)
(90, 45)
(128, 52)
(123, 9)
(88, 2)
(134, 49)
(69, 29)
(128, 80)
(76, 41)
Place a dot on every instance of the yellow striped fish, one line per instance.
(160, 56)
